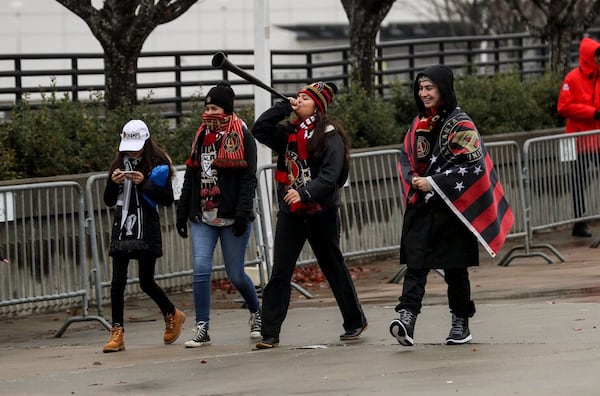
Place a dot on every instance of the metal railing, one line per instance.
(173, 270)
(43, 233)
(173, 79)
(370, 212)
(43, 225)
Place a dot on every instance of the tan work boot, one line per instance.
(116, 342)
(173, 324)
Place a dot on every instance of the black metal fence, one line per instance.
(172, 79)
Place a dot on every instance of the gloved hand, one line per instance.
(181, 226)
(240, 226)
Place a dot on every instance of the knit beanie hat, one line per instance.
(221, 95)
(321, 92)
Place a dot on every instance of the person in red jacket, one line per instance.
(579, 104)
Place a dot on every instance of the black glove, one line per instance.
(181, 226)
(240, 226)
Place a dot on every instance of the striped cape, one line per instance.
(462, 173)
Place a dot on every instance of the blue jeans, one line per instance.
(204, 240)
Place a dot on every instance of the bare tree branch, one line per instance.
(121, 27)
(559, 22)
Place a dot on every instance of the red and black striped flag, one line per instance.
(462, 173)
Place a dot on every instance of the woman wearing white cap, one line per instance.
(139, 179)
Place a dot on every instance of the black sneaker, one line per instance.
(201, 338)
(267, 343)
(353, 334)
(403, 328)
(459, 332)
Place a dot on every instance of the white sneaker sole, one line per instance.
(255, 335)
(452, 341)
(194, 344)
(398, 331)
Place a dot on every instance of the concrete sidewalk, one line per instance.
(536, 332)
(525, 348)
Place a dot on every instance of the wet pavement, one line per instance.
(536, 332)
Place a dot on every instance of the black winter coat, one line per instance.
(328, 174)
(237, 187)
(433, 237)
(152, 232)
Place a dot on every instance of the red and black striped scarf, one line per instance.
(227, 128)
(293, 170)
(228, 131)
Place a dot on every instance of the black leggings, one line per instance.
(459, 291)
(147, 284)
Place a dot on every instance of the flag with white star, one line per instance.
(462, 173)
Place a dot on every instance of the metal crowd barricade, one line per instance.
(506, 156)
(42, 232)
(370, 211)
(507, 161)
(173, 270)
(42, 225)
(553, 166)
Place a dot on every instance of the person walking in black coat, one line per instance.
(453, 199)
(312, 165)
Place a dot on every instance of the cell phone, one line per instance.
(128, 172)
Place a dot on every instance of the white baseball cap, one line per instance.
(134, 135)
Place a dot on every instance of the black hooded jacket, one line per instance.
(432, 235)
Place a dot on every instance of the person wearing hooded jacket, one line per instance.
(453, 199)
(579, 104)
(312, 165)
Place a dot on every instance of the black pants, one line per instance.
(147, 284)
(581, 179)
(322, 232)
(459, 291)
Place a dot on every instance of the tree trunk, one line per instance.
(363, 40)
(121, 27)
(559, 44)
(120, 70)
(365, 17)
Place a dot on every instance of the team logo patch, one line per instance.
(460, 139)
(423, 147)
(231, 143)
(466, 143)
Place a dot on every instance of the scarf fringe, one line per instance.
(210, 192)
(302, 208)
(233, 163)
